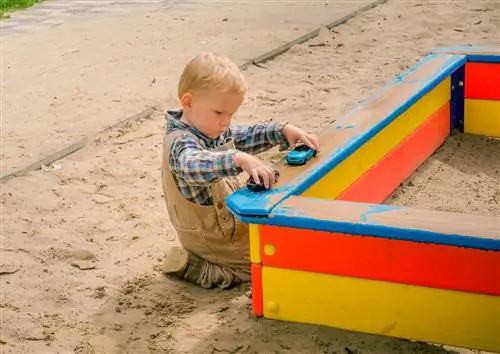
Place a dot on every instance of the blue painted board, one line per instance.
(246, 203)
(393, 222)
(457, 99)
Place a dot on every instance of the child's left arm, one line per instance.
(259, 137)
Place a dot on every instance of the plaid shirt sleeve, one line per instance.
(197, 166)
(258, 137)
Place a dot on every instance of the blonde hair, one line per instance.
(211, 71)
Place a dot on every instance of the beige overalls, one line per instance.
(209, 231)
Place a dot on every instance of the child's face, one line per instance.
(211, 111)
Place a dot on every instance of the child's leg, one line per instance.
(186, 265)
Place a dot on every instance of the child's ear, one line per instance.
(187, 100)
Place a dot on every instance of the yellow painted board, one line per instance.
(254, 243)
(482, 117)
(353, 167)
(405, 311)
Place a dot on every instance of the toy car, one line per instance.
(300, 155)
(259, 187)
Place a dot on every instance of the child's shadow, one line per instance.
(154, 314)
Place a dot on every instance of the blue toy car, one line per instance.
(300, 155)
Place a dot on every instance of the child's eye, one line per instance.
(219, 113)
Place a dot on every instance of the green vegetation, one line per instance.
(10, 5)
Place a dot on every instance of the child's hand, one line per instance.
(294, 134)
(255, 167)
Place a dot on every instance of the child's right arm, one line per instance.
(255, 167)
(199, 166)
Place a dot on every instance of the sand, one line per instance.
(97, 68)
(463, 176)
(80, 238)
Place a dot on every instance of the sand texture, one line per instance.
(81, 237)
(96, 69)
(462, 176)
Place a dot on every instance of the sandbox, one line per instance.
(324, 249)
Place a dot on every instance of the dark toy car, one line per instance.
(259, 187)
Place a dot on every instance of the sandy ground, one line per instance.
(95, 69)
(80, 239)
(465, 175)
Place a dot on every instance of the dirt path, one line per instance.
(81, 239)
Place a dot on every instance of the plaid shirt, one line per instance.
(195, 167)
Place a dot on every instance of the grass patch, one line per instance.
(11, 5)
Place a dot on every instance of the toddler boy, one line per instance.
(204, 157)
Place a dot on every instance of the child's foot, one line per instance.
(183, 264)
(176, 262)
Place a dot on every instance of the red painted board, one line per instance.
(482, 81)
(431, 265)
(386, 175)
(257, 300)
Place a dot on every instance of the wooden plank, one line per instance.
(403, 223)
(371, 116)
(400, 163)
(337, 180)
(468, 50)
(254, 243)
(341, 139)
(405, 311)
(377, 258)
(257, 299)
(482, 117)
(482, 81)
(473, 53)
